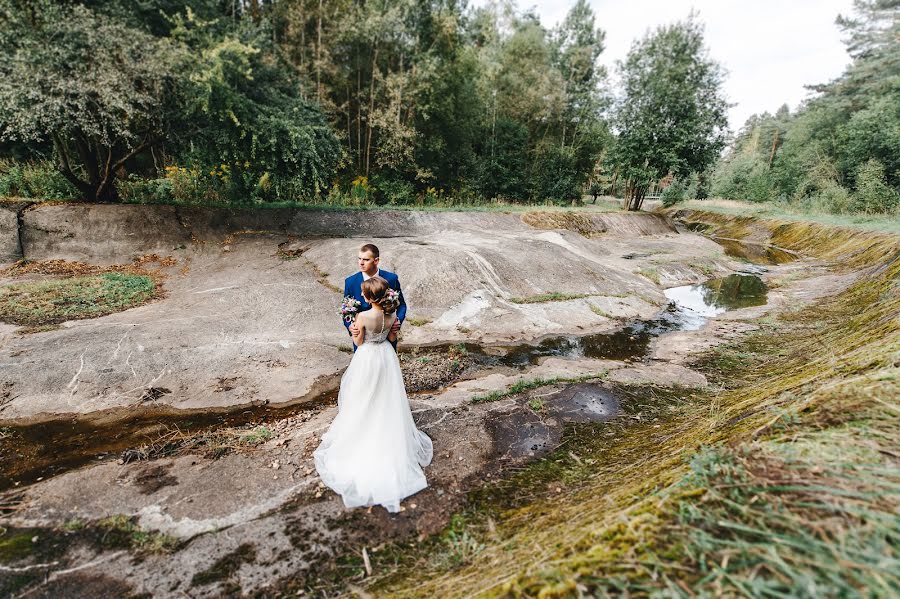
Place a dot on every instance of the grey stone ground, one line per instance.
(236, 309)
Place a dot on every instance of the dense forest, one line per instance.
(416, 102)
(840, 152)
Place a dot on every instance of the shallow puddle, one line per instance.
(698, 303)
(32, 452)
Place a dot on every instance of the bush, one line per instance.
(744, 177)
(873, 194)
(393, 190)
(835, 199)
(34, 179)
(674, 193)
(180, 185)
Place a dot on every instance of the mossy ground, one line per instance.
(48, 302)
(75, 290)
(782, 480)
(23, 550)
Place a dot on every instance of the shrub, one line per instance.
(835, 199)
(873, 194)
(393, 190)
(34, 179)
(674, 193)
(744, 177)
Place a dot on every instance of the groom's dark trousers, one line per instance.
(353, 288)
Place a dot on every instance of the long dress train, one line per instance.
(373, 453)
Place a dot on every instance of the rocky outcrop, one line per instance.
(106, 233)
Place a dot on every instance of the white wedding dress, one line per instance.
(373, 453)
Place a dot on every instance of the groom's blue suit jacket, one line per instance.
(353, 288)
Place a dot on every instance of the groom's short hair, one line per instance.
(370, 247)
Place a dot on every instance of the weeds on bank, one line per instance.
(529, 384)
(548, 297)
(213, 444)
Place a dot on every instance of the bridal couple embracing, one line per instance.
(373, 454)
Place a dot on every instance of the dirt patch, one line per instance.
(573, 221)
(225, 567)
(44, 294)
(429, 370)
(154, 477)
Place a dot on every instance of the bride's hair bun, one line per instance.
(377, 291)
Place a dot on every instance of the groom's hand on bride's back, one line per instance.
(353, 328)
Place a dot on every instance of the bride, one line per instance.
(373, 453)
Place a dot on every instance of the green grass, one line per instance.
(255, 436)
(536, 404)
(45, 303)
(418, 322)
(651, 273)
(548, 297)
(600, 312)
(121, 532)
(868, 222)
(528, 384)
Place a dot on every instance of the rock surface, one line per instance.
(258, 308)
(248, 316)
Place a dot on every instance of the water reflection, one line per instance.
(689, 308)
(703, 301)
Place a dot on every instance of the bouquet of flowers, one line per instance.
(349, 309)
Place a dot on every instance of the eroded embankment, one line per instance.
(105, 233)
(795, 493)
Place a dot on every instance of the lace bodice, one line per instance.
(377, 338)
(374, 336)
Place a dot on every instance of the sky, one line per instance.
(770, 48)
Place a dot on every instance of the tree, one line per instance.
(241, 110)
(93, 87)
(671, 117)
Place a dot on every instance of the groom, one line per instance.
(368, 259)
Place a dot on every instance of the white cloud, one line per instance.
(771, 48)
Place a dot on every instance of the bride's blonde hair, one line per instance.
(376, 291)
